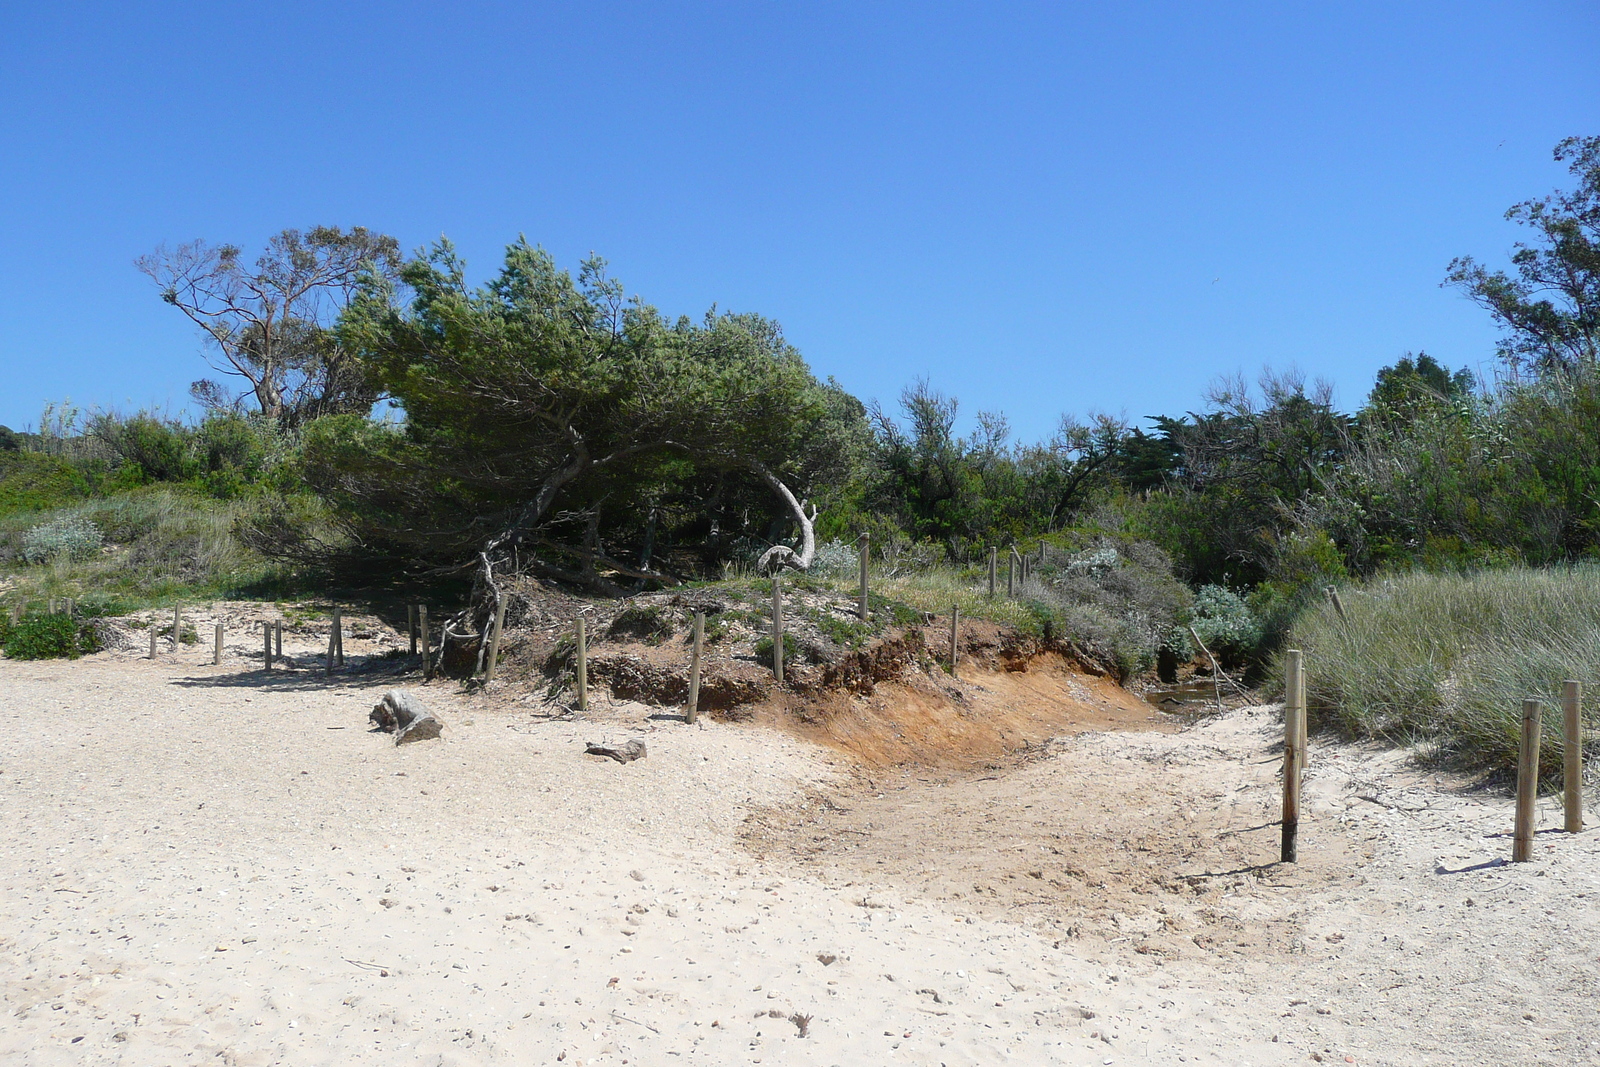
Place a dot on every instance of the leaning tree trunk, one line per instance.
(782, 556)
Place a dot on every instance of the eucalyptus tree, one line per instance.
(271, 322)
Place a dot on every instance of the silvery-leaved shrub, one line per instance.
(835, 559)
(1094, 562)
(74, 538)
(1225, 622)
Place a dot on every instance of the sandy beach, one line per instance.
(207, 864)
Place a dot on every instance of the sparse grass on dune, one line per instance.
(933, 589)
(160, 544)
(1448, 659)
(939, 588)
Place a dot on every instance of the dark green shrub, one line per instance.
(843, 632)
(50, 637)
(159, 447)
(893, 612)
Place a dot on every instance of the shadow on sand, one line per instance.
(362, 671)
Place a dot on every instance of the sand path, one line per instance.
(203, 865)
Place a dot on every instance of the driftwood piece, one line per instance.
(402, 714)
(626, 752)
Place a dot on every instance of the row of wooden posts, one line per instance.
(1019, 567)
(1294, 761)
(271, 639)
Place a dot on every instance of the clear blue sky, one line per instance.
(1040, 207)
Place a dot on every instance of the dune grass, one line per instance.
(1447, 659)
(161, 545)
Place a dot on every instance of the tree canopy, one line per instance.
(538, 402)
(1549, 311)
(271, 323)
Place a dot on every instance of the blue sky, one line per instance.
(1042, 208)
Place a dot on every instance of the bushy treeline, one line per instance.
(117, 510)
(552, 424)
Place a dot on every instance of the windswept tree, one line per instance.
(1413, 387)
(555, 425)
(271, 322)
(1549, 311)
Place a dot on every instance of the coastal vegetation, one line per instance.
(381, 424)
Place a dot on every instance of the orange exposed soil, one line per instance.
(979, 719)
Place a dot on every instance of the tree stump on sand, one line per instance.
(626, 752)
(402, 714)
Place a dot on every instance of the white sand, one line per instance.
(202, 866)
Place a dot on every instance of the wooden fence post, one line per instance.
(177, 625)
(777, 626)
(427, 660)
(153, 629)
(216, 649)
(1527, 781)
(1338, 605)
(993, 558)
(333, 641)
(338, 637)
(955, 635)
(411, 626)
(693, 710)
(266, 635)
(1294, 758)
(1304, 716)
(1572, 755)
(494, 641)
(866, 553)
(583, 667)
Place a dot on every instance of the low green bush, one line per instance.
(843, 632)
(791, 650)
(651, 625)
(48, 637)
(1226, 624)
